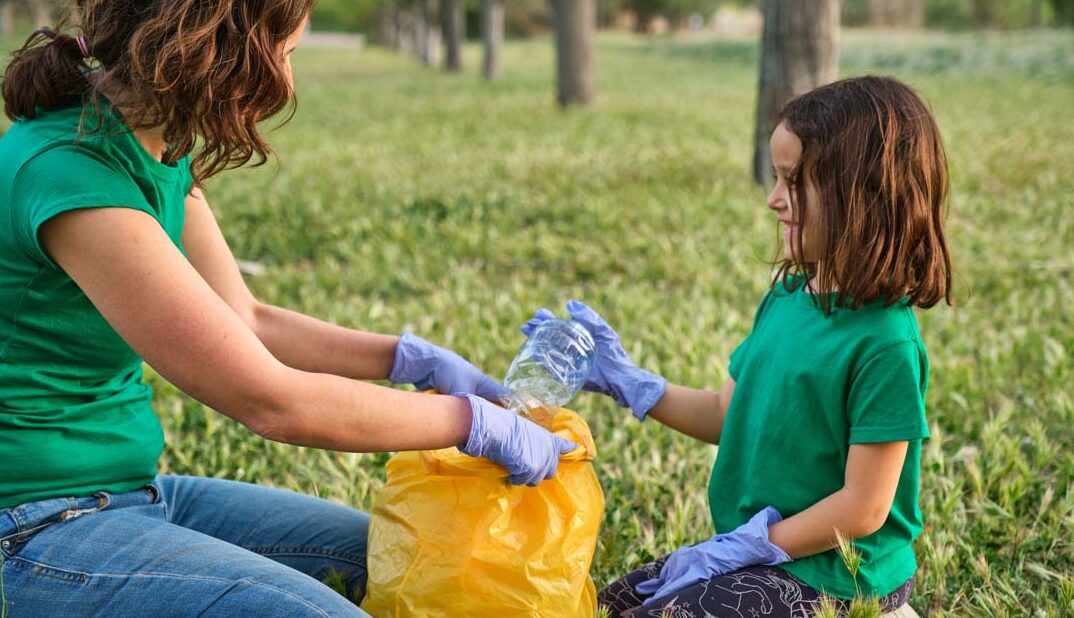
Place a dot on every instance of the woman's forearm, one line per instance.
(331, 412)
(313, 345)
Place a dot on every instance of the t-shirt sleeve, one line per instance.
(734, 365)
(887, 396)
(62, 179)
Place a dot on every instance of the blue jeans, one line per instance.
(183, 546)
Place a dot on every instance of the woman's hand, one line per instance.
(425, 365)
(747, 545)
(613, 374)
(527, 450)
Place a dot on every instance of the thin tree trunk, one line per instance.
(643, 22)
(914, 14)
(42, 12)
(800, 51)
(984, 13)
(406, 30)
(454, 34)
(1036, 13)
(575, 23)
(896, 13)
(879, 15)
(385, 33)
(7, 17)
(428, 33)
(492, 14)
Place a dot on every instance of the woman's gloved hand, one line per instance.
(613, 374)
(529, 452)
(426, 366)
(747, 545)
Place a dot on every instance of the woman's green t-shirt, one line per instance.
(74, 411)
(806, 388)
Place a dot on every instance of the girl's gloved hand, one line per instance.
(613, 374)
(527, 450)
(747, 545)
(426, 366)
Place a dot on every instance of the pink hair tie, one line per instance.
(82, 46)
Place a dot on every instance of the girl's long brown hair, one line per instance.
(203, 70)
(874, 153)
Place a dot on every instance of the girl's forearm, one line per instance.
(696, 413)
(302, 342)
(813, 530)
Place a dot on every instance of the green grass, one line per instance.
(408, 199)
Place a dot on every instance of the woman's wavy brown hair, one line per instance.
(874, 154)
(203, 70)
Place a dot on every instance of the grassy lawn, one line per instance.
(408, 199)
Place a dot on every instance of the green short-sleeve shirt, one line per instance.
(806, 388)
(74, 411)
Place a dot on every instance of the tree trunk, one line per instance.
(428, 33)
(643, 22)
(408, 31)
(984, 13)
(575, 23)
(454, 33)
(7, 17)
(384, 34)
(1036, 13)
(42, 13)
(492, 13)
(1063, 12)
(896, 13)
(800, 51)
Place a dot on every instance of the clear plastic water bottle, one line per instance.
(550, 368)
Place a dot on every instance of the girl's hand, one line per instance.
(747, 545)
(613, 374)
(529, 452)
(425, 365)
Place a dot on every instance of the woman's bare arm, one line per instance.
(164, 309)
(297, 340)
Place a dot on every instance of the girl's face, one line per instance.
(289, 46)
(786, 151)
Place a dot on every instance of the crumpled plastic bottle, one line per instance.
(550, 368)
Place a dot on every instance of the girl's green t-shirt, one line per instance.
(807, 387)
(74, 411)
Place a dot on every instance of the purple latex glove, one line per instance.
(613, 373)
(425, 365)
(527, 450)
(747, 545)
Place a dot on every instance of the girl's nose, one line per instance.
(775, 201)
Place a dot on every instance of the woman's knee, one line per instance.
(280, 597)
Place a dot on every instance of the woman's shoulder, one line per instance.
(59, 130)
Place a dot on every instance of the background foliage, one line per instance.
(531, 16)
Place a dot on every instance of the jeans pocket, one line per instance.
(11, 544)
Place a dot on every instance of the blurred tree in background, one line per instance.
(530, 17)
(346, 15)
(533, 17)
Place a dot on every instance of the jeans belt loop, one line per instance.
(102, 503)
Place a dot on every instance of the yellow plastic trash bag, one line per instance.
(450, 537)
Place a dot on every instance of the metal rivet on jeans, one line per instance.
(5, 544)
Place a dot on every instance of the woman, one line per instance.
(112, 255)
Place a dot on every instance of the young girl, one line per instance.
(821, 422)
(110, 254)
